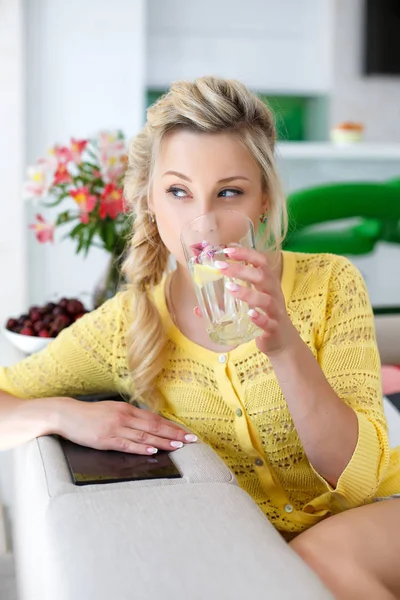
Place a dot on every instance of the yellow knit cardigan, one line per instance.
(233, 401)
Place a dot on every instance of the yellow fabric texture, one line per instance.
(233, 401)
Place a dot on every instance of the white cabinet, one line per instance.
(272, 46)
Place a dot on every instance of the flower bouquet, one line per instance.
(86, 179)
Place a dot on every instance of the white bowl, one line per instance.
(28, 344)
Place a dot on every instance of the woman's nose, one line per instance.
(206, 203)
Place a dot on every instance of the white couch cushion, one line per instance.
(198, 537)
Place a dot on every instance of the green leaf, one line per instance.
(110, 235)
(91, 153)
(76, 230)
(65, 217)
(80, 245)
(57, 201)
(89, 240)
(88, 165)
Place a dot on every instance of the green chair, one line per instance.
(375, 205)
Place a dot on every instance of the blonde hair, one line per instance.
(208, 104)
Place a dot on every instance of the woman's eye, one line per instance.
(229, 193)
(177, 192)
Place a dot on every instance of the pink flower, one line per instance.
(85, 201)
(113, 166)
(106, 139)
(48, 162)
(112, 155)
(63, 154)
(111, 202)
(77, 148)
(44, 231)
(62, 175)
(37, 184)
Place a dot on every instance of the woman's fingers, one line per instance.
(248, 273)
(160, 428)
(197, 311)
(248, 255)
(147, 434)
(148, 441)
(123, 444)
(252, 297)
(262, 321)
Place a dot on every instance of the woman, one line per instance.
(297, 414)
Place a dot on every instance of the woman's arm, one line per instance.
(81, 360)
(21, 421)
(335, 399)
(37, 395)
(105, 425)
(327, 427)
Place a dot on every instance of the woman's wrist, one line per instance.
(46, 415)
(289, 351)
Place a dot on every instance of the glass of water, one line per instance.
(203, 241)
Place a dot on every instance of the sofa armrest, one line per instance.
(387, 327)
(200, 536)
(197, 463)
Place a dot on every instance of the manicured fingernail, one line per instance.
(253, 313)
(152, 450)
(230, 250)
(233, 287)
(221, 265)
(176, 444)
(190, 437)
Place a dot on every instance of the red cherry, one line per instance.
(61, 321)
(35, 314)
(78, 316)
(11, 324)
(48, 308)
(63, 302)
(26, 331)
(44, 334)
(38, 326)
(47, 319)
(75, 307)
(28, 323)
(58, 310)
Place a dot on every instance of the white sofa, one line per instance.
(199, 537)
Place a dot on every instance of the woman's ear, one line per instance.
(150, 202)
(265, 202)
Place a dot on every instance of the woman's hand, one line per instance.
(111, 425)
(266, 295)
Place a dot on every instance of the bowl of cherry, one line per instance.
(34, 330)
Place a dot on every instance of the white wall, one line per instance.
(373, 100)
(85, 72)
(12, 247)
(283, 46)
(11, 157)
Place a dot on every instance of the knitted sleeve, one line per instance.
(350, 360)
(81, 360)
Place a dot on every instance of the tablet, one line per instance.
(90, 466)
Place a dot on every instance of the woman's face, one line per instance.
(195, 173)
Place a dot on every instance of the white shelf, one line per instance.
(327, 150)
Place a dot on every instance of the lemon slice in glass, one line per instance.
(203, 274)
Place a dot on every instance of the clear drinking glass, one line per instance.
(203, 240)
